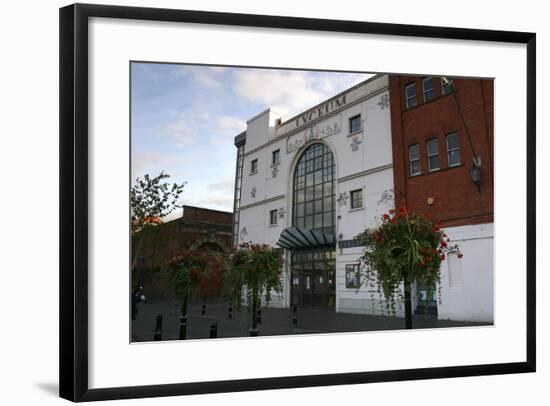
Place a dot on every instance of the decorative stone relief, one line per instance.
(294, 142)
(281, 212)
(384, 102)
(275, 169)
(355, 141)
(253, 192)
(244, 232)
(342, 198)
(386, 197)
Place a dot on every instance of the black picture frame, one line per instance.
(74, 196)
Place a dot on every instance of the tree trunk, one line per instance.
(408, 305)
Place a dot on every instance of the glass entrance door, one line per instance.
(313, 279)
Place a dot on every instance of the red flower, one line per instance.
(386, 216)
(442, 257)
(443, 244)
(428, 259)
(421, 264)
(402, 210)
(392, 211)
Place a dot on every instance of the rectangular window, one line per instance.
(275, 156)
(410, 95)
(453, 149)
(433, 155)
(428, 88)
(352, 276)
(414, 159)
(446, 86)
(355, 124)
(273, 217)
(254, 166)
(356, 198)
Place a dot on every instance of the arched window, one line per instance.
(313, 201)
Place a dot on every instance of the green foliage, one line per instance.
(185, 272)
(405, 248)
(253, 269)
(152, 199)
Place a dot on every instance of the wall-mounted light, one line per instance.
(475, 173)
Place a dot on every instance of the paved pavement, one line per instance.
(274, 321)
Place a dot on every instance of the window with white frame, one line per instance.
(355, 124)
(432, 149)
(273, 217)
(453, 149)
(275, 157)
(253, 166)
(410, 95)
(428, 88)
(356, 198)
(414, 160)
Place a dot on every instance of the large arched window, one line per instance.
(313, 203)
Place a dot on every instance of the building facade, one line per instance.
(311, 183)
(206, 231)
(442, 138)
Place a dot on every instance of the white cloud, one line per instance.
(231, 125)
(290, 92)
(180, 132)
(205, 75)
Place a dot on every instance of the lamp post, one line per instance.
(475, 170)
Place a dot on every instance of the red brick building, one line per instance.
(432, 126)
(207, 231)
(442, 148)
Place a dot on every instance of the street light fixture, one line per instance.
(475, 171)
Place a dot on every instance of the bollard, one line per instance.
(183, 319)
(158, 329)
(230, 312)
(203, 309)
(295, 315)
(214, 330)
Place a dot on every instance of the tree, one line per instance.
(252, 270)
(151, 199)
(406, 248)
(185, 272)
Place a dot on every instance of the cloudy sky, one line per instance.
(184, 119)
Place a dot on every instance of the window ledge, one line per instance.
(273, 225)
(356, 209)
(253, 173)
(355, 133)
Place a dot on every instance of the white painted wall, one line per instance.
(468, 292)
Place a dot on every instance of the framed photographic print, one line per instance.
(237, 188)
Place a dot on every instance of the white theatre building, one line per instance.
(310, 184)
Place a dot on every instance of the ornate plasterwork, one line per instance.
(281, 212)
(342, 198)
(275, 169)
(253, 192)
(315, 132)
(244, 232)
(355, 141)
(386, 197)
(384, 102)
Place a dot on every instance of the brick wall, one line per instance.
(456, 199)
(209, 231)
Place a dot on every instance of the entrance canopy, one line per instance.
(300, 238)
